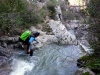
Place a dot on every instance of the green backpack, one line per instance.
(25, 35)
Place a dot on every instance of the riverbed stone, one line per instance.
(82, 71)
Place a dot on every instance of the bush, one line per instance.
(51, 8)
(93, 8)
(17, 14)
(8, 6)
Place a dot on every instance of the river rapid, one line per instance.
(52, 59)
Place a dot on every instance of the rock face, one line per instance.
(5, 52)
(5, 56)
(61, 33)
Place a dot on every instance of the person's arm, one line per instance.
(33, 39)
(30, 41)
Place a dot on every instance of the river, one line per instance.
(52, 59)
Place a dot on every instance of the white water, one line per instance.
(20, 66)
(52, 59)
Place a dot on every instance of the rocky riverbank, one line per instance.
(10, 44)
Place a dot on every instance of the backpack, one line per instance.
(25, 35)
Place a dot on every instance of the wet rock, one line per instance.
(4, 52)
(5, 71)
(3, 60)
(4, 44)
(9, 39)
(5, 56)
(9, 42)
(84, 71)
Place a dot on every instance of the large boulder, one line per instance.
(5, 58)
(61, 33)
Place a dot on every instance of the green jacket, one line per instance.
(25, 35)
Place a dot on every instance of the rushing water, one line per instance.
(52, 59)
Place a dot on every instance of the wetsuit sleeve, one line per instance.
(30, 41)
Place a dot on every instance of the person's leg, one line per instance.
(25, 47)
(27, 44)
(28, 48)
(31, 53)
(22, 42)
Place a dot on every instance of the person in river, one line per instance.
(27, 38)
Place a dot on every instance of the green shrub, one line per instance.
(93, 8)
(19, 14)
(8, 6)
(51, 8)
(86, 73)
(52, 11)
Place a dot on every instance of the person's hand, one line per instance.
(28, 51)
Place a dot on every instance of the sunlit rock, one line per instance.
(44, 39)
(62, 34)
